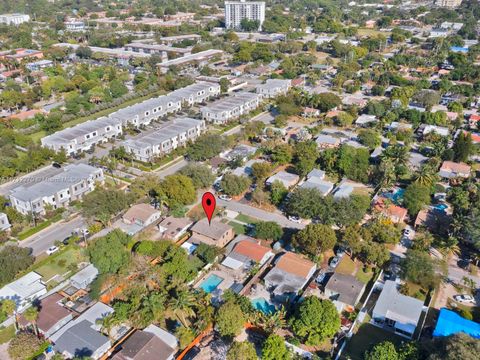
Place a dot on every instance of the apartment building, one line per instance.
(162, 50)
(448, 3)
(168, 137)
(70, 183)
(83, 136)
(274, 87)
(236, 11)
(232, 107)
(14, 19)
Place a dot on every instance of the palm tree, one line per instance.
(9, 307)
(31, 315)
(107, 324)
(181, 306)
(426, 176)
(273, 322)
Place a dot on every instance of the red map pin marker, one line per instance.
(208, 204)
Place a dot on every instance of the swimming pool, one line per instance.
(211, 283)
(441, 207)
(263, 305)
(396, 197)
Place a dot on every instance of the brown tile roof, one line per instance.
(50, 312)
(140, 211)
(295, 264)
(250, 249)
(390, 209)
(143, 346)
(215, 230)
(455, 167)
(26, 114)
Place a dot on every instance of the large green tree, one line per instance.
(234, 185)
(315, 320)
(419, 268)
(306, 154)
(109, 253)
(274, 348)
(463, 147)
(178, 190)
(382, 351)
(314, 239)
(242, 351)
(201, 175)
(416, 196)
(13, 260)
(268, 230)
(230, 319)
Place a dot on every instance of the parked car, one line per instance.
(320, 277)
(407, 232)
(51, 250)
(66, 241)
(295, 219)
(56, 165)
(334, 262)
(340, 252)
(464, 298)
(224, 197)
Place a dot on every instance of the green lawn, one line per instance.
(58, 264)
(245, 219)
(239, 228)
(346, 266)
(31, 231)
(7, 334)
(363, 276)
(367, 336)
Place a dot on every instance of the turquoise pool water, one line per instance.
(263, 305)
(396, 197)
(211, 283)
(441, 207)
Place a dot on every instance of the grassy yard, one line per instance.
(416, 291)
(346, 266)
(367, 336)
(364, 276)
(59, 264)
(371, 32)
(238, 228)
(245, 219)
(7, 334)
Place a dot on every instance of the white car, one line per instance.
(295, 219)
(224, 197)
(51, 250)
(464, 298)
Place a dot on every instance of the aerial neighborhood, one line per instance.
(239, 180)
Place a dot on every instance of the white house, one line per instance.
(274, 87)
(4, 223)
(83, 278)
(24, 290)
(397, 312)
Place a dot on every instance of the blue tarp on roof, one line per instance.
(449, 323)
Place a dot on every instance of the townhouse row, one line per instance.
(57, 190)
(146, 147)
(83, 136)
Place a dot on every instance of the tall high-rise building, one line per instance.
(236, 11)
(448, 3)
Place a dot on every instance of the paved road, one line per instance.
(46, 238)
(456, 273)
(259, 214)
(171, 169)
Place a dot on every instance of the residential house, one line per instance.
(146, 147)
(325, 141)
(344, 290)
(151, 343)
(310, 112)
(24, 291)
(289, 275)
(70, 183)
(273, 88)
(451, 170)
(21, 54)
(82, 336)
(39, 65)
(397, 312)
(365, 119)
(231, 107)
(343, 190)
(141, 214)
(287, 179)
(52, 315)
(83, 278)
(14, 19)
(425, 129)
(215, 233)
(315, 180)
(246, 254)
(173, 228)
(473, 121)
(241, 151)
(395, 213)
(4, 223)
